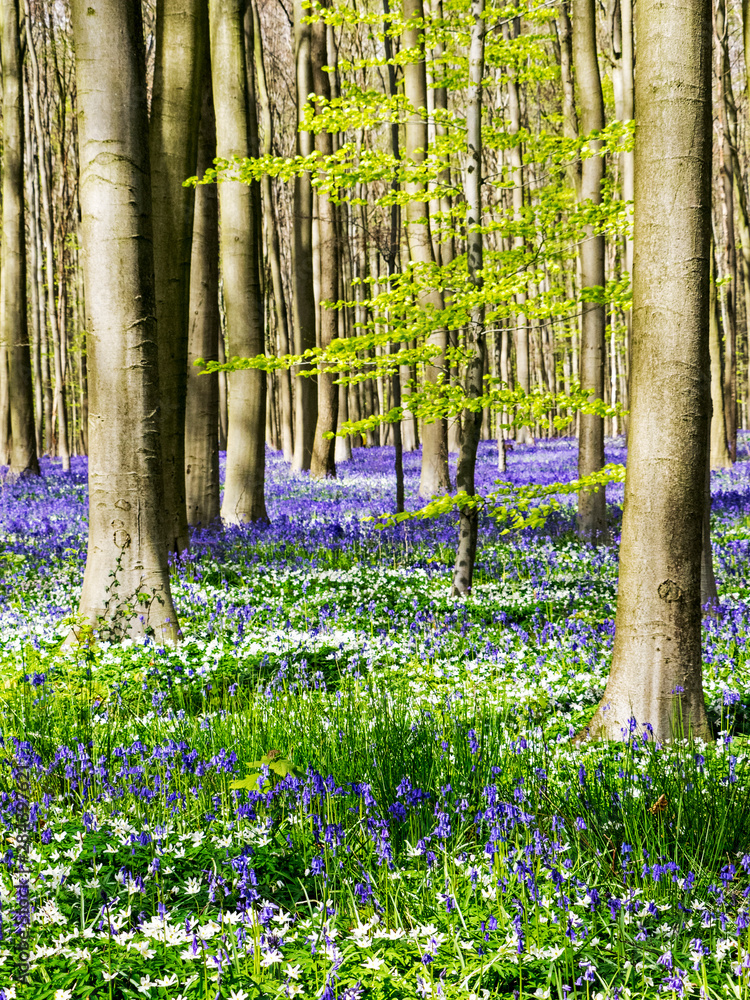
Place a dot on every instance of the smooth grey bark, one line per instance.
(239, 242)
(323, 460)
(126, 582)
(570, 115)
(57, 334)
(270, 221)
(202, 404)
(719, 457)
(656, 674)
(434, 477)
(37, 318)
(728, 143)
(463, 569)
(406, 427)
(524, 433)
(14, 332)
(181, 28)
(592, 505)
(303, 301)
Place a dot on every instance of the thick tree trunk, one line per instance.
(323, 461)
(14, 332)
(592, 508)
(656, 674)
(126, 583)
(202, 407)
(303, 302)
(181, 28)
(434, 478)
(463, 569)
(239, 229)
(274, 247)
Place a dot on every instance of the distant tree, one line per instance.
(126, 582)
(656, 674)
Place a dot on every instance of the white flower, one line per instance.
(271, 958)
(238, 995)
(373, 963)
(172, 981)
(146, 984)
(63, 994)
(293, 971)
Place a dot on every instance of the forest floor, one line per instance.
(417, 821)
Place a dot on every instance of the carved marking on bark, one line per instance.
(670, 591)
(122, 538)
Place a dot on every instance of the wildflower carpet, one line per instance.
(342, 784)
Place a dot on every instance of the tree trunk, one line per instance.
(303, 302)
(57, 336)
(126, 583)
(14, 332)
(727, 142)
(37, 316)
(592, 509)
(524, 433)
(273, 244)
(202, 406)
(323, 461)
(719, 452)
(434, 478)
(239, 229)
(181, 28)
(656, 674)
(463, 569)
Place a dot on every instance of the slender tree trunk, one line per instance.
(592, 509)
(719, 452)
(59, 405)
(323, 461)
(181, 29)
(656, 674)
(524, 433)
(463, 569)
(14, 332)
(434, 477)
(239, 229)
(37, 317)
(274, 246)
(126, 583)
(202, 407)
(303, 302)
(727, 141)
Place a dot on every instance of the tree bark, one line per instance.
(592, 509)
(434, 478)
(239, 229)
(37, 316)
(181, 28)
(56, 333)
(202, 406)
(656, 675)
(727, 143)
(303, 302)
(463, 569)
(323, 461)
(274, 246)
(126, 583)
(719, 452)
(13, 309)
